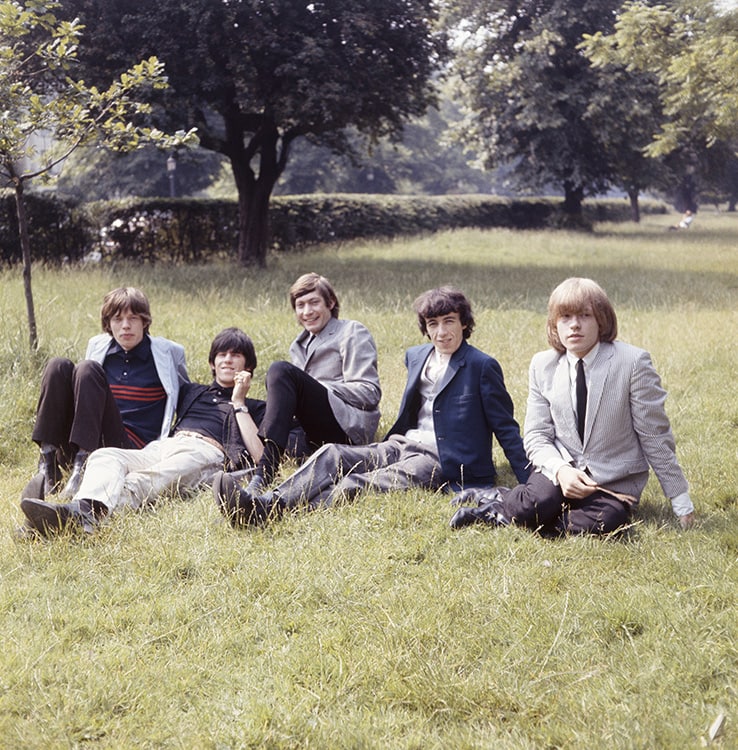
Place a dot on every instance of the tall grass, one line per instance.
(374, 625)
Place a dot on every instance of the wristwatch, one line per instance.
(240, 409)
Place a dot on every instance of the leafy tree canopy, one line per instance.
(254, 75)
(691, 47)
(528, 89)
(41, 95)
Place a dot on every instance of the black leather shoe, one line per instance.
(36, 487)
(490, 513)
(256, 486)
(49, 518)
(479, 496)
(48, 467)
(242, 507)
(75, 478)
(226, 493)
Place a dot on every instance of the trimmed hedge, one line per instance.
(195, 230)
(56, 230)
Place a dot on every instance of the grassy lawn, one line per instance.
(375, 625)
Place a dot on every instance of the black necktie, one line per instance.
(581, 398)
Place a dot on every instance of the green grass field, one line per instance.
(375, 625)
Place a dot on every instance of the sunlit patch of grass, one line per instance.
(374, 624)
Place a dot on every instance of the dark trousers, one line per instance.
(76, 409)
(540, 504)
(292, 393)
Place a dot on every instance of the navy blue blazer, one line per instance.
(471, 406)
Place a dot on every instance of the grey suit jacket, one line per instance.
(626, 427)
(343, 358)
(169, 359)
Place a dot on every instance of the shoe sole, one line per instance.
(45, 519)
(225, 492)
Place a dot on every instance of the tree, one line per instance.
(528, 89)
(692, 49)
(425, 161)
(255, 75)
(39, 95)
(96, 173)
(624, 113)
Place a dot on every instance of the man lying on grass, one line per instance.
(455, 400)
(595, 422)
(216, 424)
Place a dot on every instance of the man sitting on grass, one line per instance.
(595, 422)
(122, 394)
(455, 400)
(329, 389)
(216, 424)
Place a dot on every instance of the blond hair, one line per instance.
(573, 296)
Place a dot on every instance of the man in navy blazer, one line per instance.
(455, 400)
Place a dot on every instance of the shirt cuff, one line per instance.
(682, 504)
(551, 468)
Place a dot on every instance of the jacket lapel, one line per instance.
(457, 360)
(320, 340)
(415, 366)
(597, 380)
(562, 395)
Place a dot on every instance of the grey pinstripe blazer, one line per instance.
(626, 428)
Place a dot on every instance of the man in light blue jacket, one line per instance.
(123, 394)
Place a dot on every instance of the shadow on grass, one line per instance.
(383, 282)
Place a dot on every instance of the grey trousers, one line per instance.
(338, 472)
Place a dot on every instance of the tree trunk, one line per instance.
(573, 196)
(635, 209)
(253, 224)
(26, 251)
(254, 194)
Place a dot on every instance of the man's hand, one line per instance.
(575, 484)
(687, 521)
(241, 387)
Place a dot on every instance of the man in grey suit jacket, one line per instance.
(123, 394)
(331, 386)
(595, 422)
(454, 402)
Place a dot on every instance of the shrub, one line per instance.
(57, 230)
(194, 230)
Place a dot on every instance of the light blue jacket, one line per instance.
(169, 359)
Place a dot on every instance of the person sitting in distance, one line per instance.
(685, 222)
